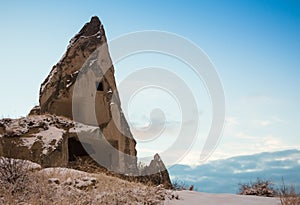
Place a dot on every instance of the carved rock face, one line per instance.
(83, 58)
(56, 90)
(49, 136)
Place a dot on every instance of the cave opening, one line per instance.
(100, 86)
(76, 149)
(107, 155)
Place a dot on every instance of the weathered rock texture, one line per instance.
(49, 140)
(96, 98)
(158, 172)
(42, 139)
(49, 135)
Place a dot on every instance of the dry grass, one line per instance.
(87, 164)
(288, 195)
(290, 200)
(180, 185)
(69, 186)
(14, 177)
(109, 190)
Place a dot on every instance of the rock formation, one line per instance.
(42, 139)
(78, 98)
(158, 172)
(95, 94)
(49, 140)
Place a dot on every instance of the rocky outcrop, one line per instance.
(56, 90)
(79, 98)
(157, 172)
(48, 140)
(39, 138)
(96, 101)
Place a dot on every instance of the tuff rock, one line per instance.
(49, 135)
(87, 56)
(158, 172)
(42, 139)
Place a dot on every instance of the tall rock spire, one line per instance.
(98, 96)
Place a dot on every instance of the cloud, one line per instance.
(155, 129)
(271, 121)
(272, 142)
(146, 154)
(232, 121)
(242, 135)
(264, 123)
(246, 171)
(243, 143)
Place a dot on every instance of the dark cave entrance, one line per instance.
(100, 86)
(107, 155)
(76, 149)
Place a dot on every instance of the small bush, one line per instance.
(288, 195)
(181, 185)
(258, 188)
(14, 175)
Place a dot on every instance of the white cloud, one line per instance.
(242, 135)
(156, 129)
(232, 121)
(145, 152)
(272, 120)
(250, 144)
(246, 171)
(264, 123)
(272, 142)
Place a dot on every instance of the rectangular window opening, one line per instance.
(100, 86)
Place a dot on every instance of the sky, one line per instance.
(254, 46)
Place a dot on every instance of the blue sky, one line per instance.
(254, 46)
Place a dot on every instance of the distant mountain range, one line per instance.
(223, 176)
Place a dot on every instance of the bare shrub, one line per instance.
(288, 195)
(258, 188)
(181, 185)
(141, 166)
(14, 175)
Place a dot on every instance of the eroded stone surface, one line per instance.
(158, 172)
(97, 96)
(49, 140)
(39, 138)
